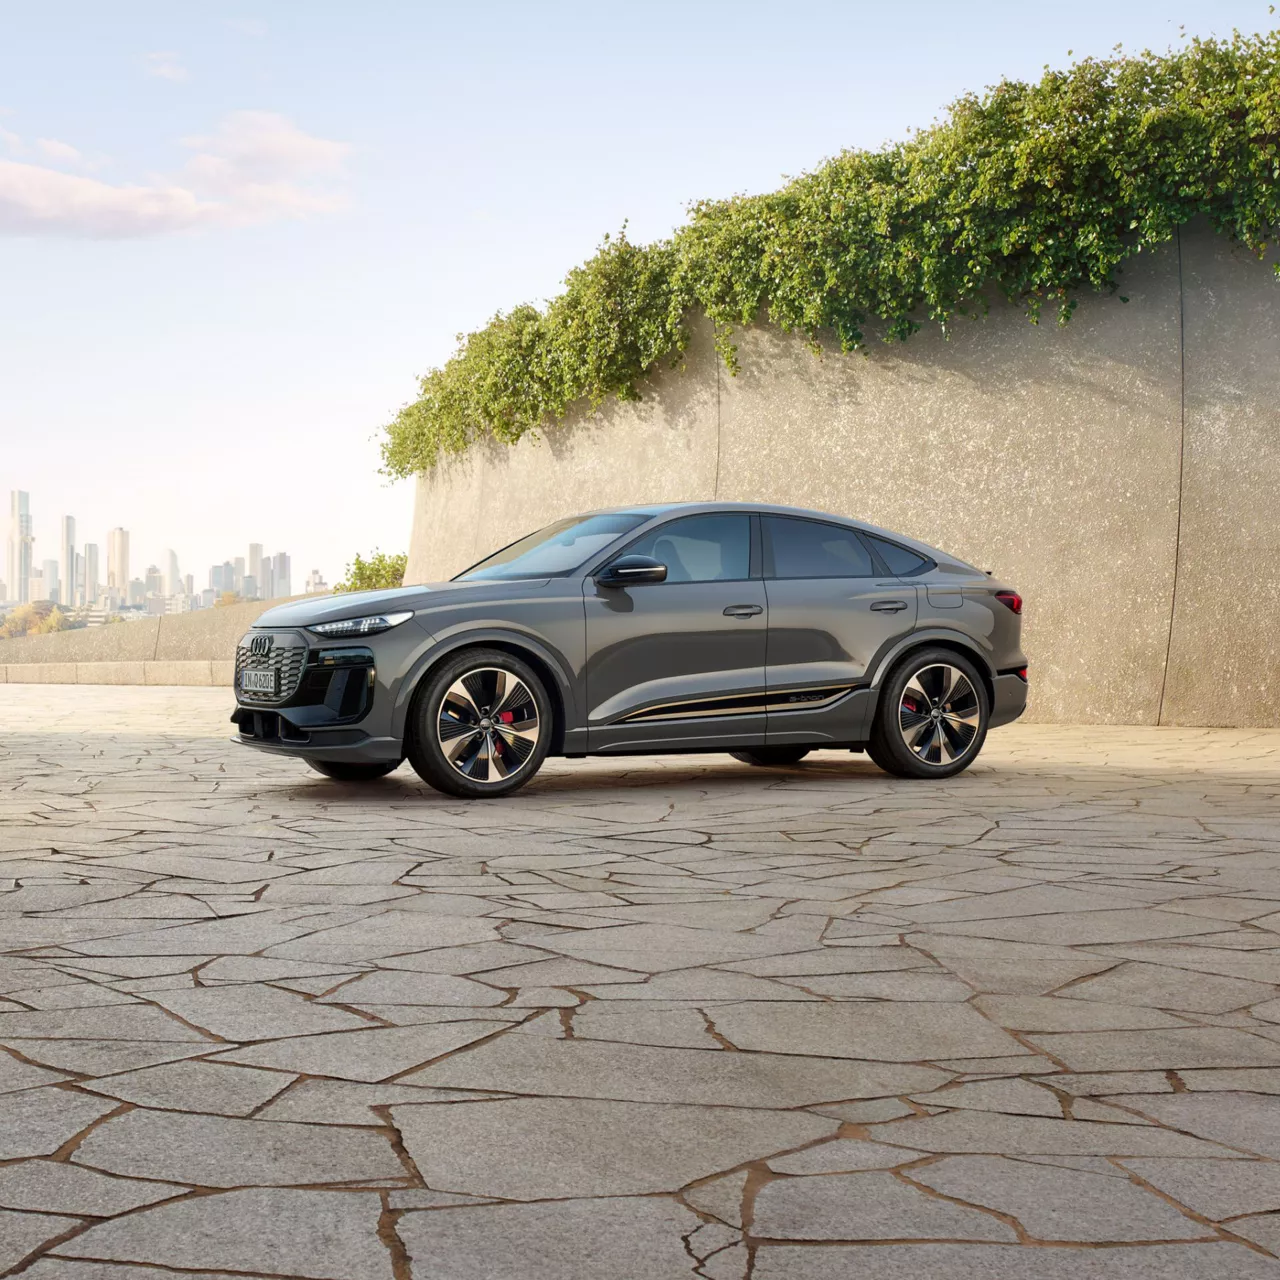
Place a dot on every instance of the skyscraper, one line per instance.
(67, 556)
(154, 580)
(280, 585)
(255, 569)
(118, 565)
(21, 544)
(172, 578)
(49, 581)
(91, 574)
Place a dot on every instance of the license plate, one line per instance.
(258, 682)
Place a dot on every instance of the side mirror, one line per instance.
(628, 571)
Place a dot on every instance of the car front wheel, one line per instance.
(932, 718)
(482, 725)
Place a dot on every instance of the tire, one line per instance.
(461, 740)
(340, 771)
(932, 717)
(771, 757)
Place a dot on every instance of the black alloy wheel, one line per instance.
(482, 726)
(932, 717)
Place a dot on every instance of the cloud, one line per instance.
(255, 167)
(11, 141)
(261, 146)
(52, 149)
(35, 199)
(165, 65)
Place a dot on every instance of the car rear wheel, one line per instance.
(340, 771)
(771, 757)
(932, 718)
(482, 725)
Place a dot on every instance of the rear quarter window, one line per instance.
(901, 562)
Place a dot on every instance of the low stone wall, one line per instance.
(176, 649)
(1122, 472)
(190, 672)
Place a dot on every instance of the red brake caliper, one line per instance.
(500, 745)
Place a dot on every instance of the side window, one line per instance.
(808, 549)
(711, 548)
(902, 563)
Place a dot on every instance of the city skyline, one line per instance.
(73, 580)
(147, 544)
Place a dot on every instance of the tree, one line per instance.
(378, 573)
(36, 619)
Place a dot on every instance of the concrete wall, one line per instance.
(183, 648)
(1122, 472)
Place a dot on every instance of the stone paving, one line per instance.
(649, 1019)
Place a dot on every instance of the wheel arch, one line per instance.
(545, 664)
(921, 640)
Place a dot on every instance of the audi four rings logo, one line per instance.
(260, 646)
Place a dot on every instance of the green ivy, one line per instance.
(1037, 192)
(378, 573)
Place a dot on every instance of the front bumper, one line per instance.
(350, 746)
(320, 701)
(1009, 700)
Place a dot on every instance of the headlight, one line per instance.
(361, 626)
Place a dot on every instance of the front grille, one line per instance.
(282, 657)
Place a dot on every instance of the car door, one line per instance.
(680, 663)
(831, 613)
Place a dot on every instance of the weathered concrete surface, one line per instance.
(647, 1019)
(1225, 652)
(1054, 457)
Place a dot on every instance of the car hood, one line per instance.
(359, 604)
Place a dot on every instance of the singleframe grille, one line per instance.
(283, 656)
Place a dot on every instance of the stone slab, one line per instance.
(540, 1148)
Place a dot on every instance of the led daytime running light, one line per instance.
(361, 626)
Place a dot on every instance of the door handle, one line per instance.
(888, 606)
(743, 610)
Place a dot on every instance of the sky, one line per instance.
(233, 235)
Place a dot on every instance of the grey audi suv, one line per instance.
(765, 632)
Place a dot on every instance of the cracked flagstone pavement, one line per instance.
(649, 1019)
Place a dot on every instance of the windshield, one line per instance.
(558, 549)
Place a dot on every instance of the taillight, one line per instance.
(1011, 600)
(1021, 673)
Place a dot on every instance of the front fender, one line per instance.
(453, 639)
